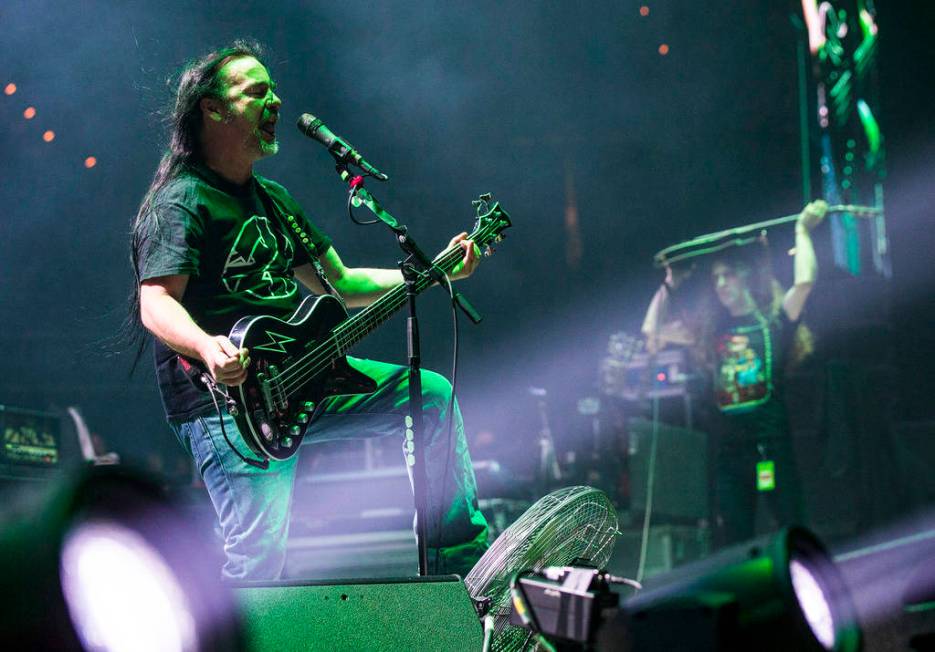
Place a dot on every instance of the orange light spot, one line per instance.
(29, 113)
(663, 49)
(90, 162)
(10, 88)
(48, 136)
(644, 10)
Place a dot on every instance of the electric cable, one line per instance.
(488, 632)
(350, 209)
(212, 387)
(650, 490)
(654, 437)
(451, 409)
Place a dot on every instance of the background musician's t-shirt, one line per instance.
(749, 358)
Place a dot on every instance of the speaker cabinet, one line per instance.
(681, 473)
(432, 613)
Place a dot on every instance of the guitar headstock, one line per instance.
(491, 221)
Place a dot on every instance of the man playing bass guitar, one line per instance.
(210, 245)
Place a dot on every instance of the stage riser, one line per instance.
(387, 616)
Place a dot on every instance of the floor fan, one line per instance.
(570, 525)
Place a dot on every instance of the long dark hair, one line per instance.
(754, 263)
(198, 79)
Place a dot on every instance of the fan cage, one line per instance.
(569, 524)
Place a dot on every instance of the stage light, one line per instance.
(90, 162)
(9, 89)
(121, 594)
(48, 136)
(29, 113)
(663, 49)
(814, 603)
(644, 11)
(112, 566)
(776, 593)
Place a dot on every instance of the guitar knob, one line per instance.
(286, 442)
(302, 417)
(295, 431)
(309, 406)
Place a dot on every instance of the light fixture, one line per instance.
(781, 592)
(108, 564)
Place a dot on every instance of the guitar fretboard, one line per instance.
(352, 330)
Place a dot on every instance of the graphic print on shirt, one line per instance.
(744, 369)
(255, 264)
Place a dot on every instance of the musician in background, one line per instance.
(209, 246)
(745, 331)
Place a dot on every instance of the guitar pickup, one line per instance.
(267, 393)
(277, 395)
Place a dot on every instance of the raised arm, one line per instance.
(165, 317)
(813, 22)
(805, 263)
(658, 327)
(360, 286)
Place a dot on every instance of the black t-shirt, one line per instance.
(749, 357)
(232, 243)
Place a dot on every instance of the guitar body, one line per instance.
(292, 370)
(299, 362)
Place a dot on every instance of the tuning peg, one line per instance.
(489, 251)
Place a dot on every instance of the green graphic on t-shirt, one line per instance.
(255, 264)
(744, 373)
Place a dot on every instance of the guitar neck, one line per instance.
(354, 329)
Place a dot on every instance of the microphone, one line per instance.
(340, 149)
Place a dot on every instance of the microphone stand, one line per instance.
(413, 266)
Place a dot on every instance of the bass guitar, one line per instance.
(298, 362)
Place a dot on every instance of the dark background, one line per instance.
(451, 99)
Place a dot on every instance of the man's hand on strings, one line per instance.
(471, 258)
(225, 362)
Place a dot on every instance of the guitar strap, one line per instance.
(291, 226)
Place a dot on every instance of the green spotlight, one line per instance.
(776, 593)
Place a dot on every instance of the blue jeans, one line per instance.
(253, 504)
